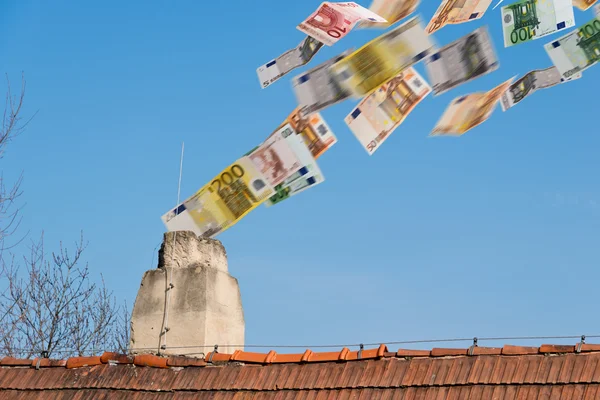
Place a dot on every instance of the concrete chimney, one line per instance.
(201, 308)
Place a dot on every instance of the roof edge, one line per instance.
(272, 357)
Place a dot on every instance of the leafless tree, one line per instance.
(56, 310)
(12, 125)
(122, 330)
(50, 307)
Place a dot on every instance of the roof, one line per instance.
(510, 372)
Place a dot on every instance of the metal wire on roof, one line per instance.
(348, 345)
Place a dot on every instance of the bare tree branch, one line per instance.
(49, 305)
(57, 307)
(122, 331)
(12, 122)
(12, 126)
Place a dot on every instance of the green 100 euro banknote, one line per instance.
(577, 50)
(527, 20)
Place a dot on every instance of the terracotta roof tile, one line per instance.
(463, 368)
(442, 372)
(182, 361)
(258, 358)
(519, 350)
(47, 362)
(214, 357)
(596, 372)
(479, 351)
(453, 371)
(327, 356)
(511, 372)
(590, 347)
(150, 360)
(367, 354)
(570, 392)
(248, 357)
(306, 356)
(78, 362)
(413, 353)
(543, 370)
(15, 362)
(116, 358)
(438, 352)
(287, 358)
(555, 367)
(553, 348)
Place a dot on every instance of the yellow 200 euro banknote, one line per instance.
(232, 194)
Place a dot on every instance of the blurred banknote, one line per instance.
(229, 196)
(530, 82)
(275, 159)
(528, 20)
(309, 167)
(316, 89)
(333, 21)
(291, 59)
(392, 10)
(299, 185)
(296, 143)
(313, 129)
(381, 112)
(466, 112)
(457, 12)
(463, 60)
(577, 50)
(597, 10)
(383, 58)
(583, 4)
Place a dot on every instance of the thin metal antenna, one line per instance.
(170, 287)
(180, 173)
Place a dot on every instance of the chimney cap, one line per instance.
(182, 249)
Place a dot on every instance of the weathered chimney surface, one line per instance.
(191, 250)
(203, 308)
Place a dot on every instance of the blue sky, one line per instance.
(494, 233)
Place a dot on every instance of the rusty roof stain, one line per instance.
(509, 372)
